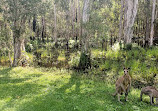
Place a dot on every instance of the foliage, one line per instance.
(74, 60)
(29, 47)
(85, 61)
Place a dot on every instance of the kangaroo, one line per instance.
(123, 85)
(151, 91)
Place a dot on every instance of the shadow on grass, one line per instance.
(5, 71)
(56, 99)
(19, 90)
(6, 80)
(6, 76)
(15, 88)
(75, 81)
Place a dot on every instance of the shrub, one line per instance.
(29, 47)
(128, 46)
(85, 61)
(74, 61)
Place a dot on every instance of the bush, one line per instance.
(85, 61)
(74, 61)
(128, 46)
(29, 47)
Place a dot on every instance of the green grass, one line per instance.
(30, 89)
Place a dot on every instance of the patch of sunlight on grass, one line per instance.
(61, 58)
(71, 89)
(3, 102)
(135, 92)
(101, 102)
(136, 108)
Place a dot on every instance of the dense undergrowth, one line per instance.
(107, 64)
(41, 89)
(142, 62)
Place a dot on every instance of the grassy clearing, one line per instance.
(30, 89)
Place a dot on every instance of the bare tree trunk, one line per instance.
(10, 58)
(43, 29)
(130, 14)
(152, 23)
(55, 24)
(19, 28)
(79, 22)
(121, 17)
(34, 23)
(73, 17)
(85, 19)
(17, 48)
(23, 44)
(9, 54)
(85, 55)
(147, 35)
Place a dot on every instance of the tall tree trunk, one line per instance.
(85, 19)
(147, 34)
(23, 44)
(17, 47)
(121, 17)
(43, 29)
(152, 23)
(55, 24)
(79, 23)
(130, 14)
(34, 23)
(73, 7)
(10, 58)
(76, 20)
(85, 55)
(18, 30)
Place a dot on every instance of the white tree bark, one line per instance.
(55, 24)
(79, 22)
(23, 44)
(85, 19)
(147, 35)
(86, 9)
(152, 23)
(131, 7)
(73, 17)
(121, 17)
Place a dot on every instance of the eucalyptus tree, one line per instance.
(121, 20)
(17, 13)
(131, 7)
(84, 58)
(147, 14)
(152, 22)
(85, 20)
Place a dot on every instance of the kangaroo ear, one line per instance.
(129, 68)
(124, 68)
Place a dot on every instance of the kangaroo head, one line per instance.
(126, 70)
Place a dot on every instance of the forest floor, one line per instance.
(39, 89)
